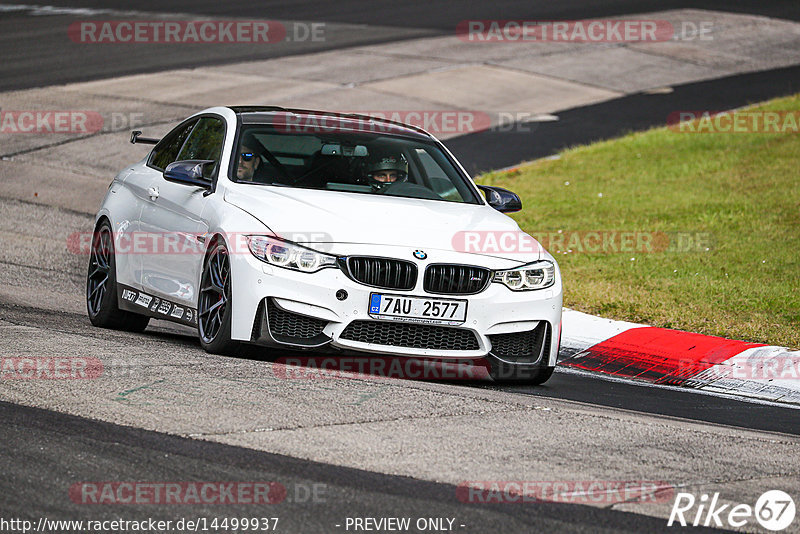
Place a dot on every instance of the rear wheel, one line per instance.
(101, 286)
(214, 306)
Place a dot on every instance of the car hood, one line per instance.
(313, 216)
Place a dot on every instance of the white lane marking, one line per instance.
(682, 389)
(767, 374)
(770, 373)
(39, 10)
(581, 330)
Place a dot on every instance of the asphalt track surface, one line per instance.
(438, 15)
(37, 51)
(45, 452)
(78, 449)
(500, 149)
(42, 450)
(670, 402)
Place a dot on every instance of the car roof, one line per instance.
(332, 120)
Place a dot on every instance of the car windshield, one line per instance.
(354, 162)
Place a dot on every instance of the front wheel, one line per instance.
(214, 306)
(101, 286)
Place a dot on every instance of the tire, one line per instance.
(214, 307)
(101, 286)
(506, 373)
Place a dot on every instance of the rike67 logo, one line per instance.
(774, 510)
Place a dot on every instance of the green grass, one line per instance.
(742, 190)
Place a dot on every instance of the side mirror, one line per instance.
(189, 172)
(136, 138)
(501, 199)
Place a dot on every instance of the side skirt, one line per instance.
(135, 301)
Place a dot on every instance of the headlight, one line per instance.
(537, 275)
(287, 254)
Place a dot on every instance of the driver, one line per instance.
(386, 169)
(249, 158)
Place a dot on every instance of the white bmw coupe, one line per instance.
(323, 231)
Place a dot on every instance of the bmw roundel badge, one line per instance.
(420, 255)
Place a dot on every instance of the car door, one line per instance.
(172, 218)
(138, 182)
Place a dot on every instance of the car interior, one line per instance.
(339, 164)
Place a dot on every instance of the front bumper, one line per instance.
(289, 309)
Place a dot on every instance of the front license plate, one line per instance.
(417, 309)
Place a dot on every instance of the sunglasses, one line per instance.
(246, 156)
